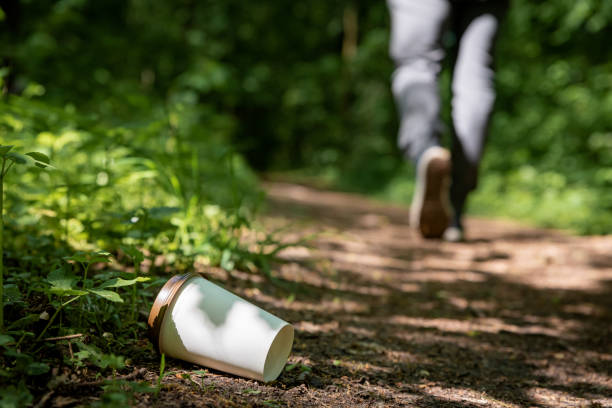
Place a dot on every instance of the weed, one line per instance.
(272, 403)
(162, 368)
(156, 189)
(10, 159)
(121, 393)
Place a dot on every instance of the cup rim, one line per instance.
(164, 297)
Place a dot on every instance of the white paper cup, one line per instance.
(195, 320)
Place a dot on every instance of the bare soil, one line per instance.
(514, 317)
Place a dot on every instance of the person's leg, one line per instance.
(416, 27)
(476, 24)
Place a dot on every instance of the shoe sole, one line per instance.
(430, 211)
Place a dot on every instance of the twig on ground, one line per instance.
(68, 337)
(134, 374)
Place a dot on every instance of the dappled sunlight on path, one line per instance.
(516, 316)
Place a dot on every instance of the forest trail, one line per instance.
(514, 317)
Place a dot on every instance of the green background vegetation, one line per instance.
(157, 117)
(305, 88)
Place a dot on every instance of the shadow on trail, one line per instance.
(406, 321)
(445, 345)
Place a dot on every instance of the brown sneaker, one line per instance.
(430, 211)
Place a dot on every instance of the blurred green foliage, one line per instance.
(549, 154)
(129, 112)
(306, 86)
(135, 183)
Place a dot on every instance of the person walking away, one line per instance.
(443, 179)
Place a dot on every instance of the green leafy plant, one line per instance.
(64, 283)
(137, 257)
(9, 159)
(86, 259)
(88, 352)
(16, 396)
(162, 369)
(121, 393)
(23, 365)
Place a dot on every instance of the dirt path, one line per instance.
(516, 317)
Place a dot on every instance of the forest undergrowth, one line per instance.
(96, 219)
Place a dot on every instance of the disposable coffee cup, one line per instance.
(195, 320)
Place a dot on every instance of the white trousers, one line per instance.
(417, 28)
